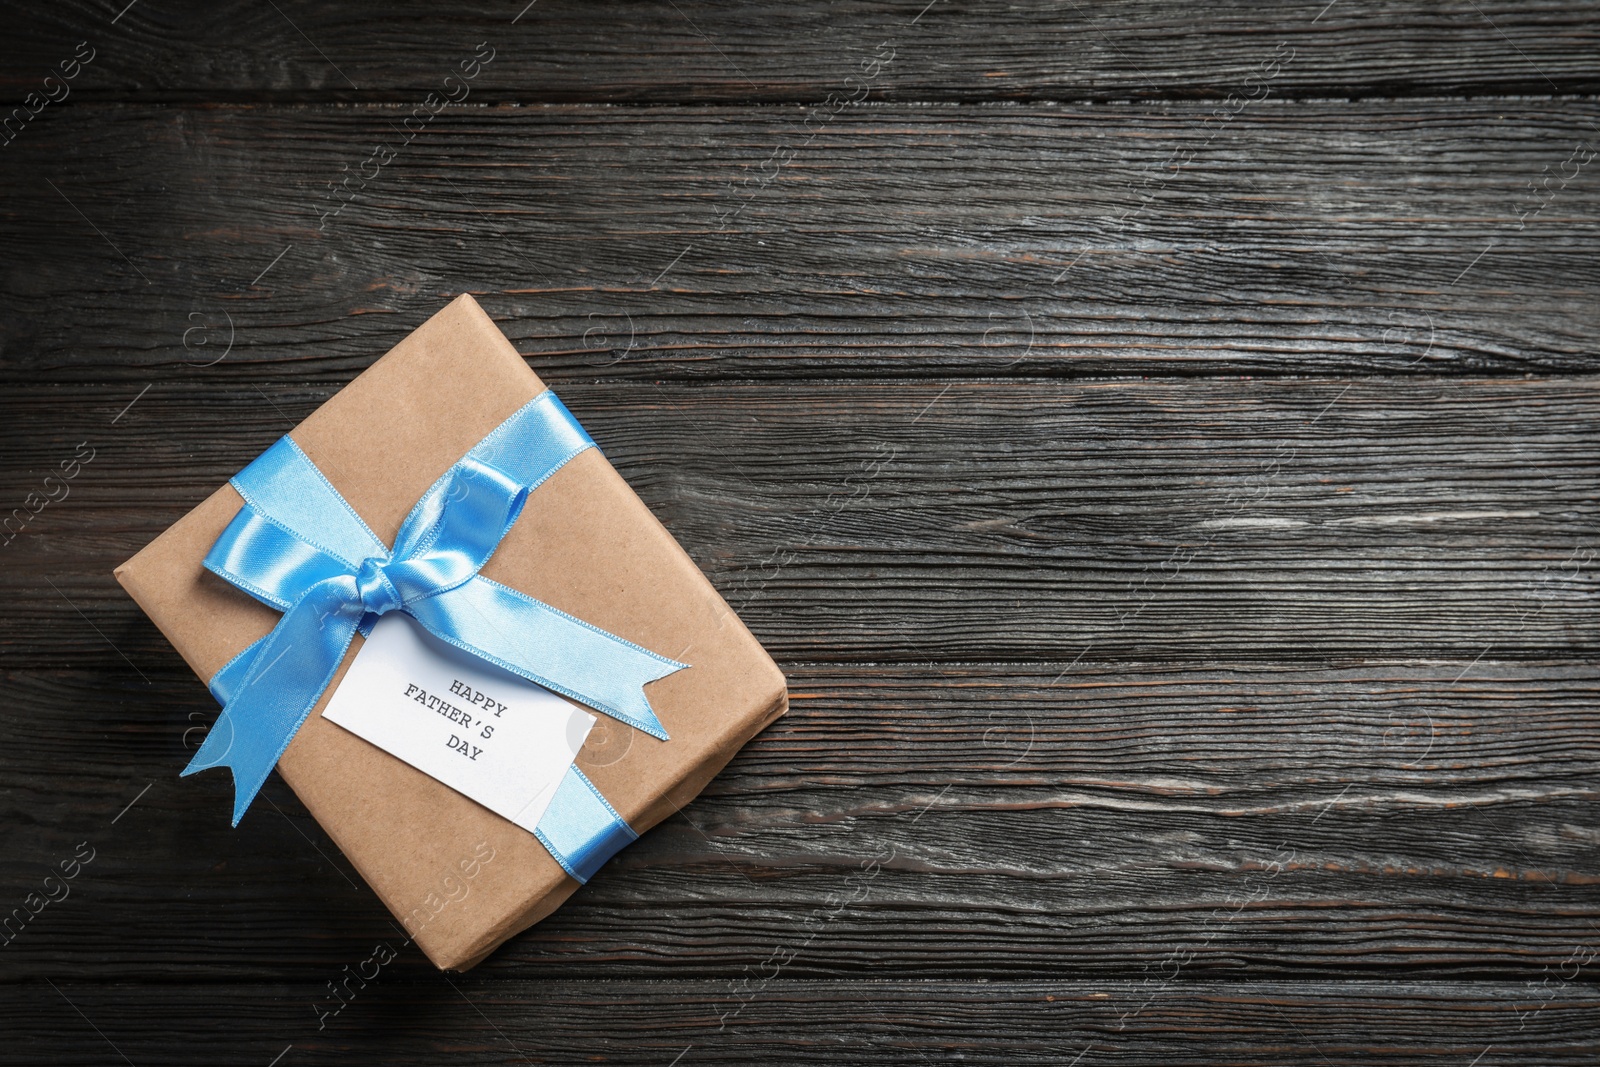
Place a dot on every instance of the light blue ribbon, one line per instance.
(299, 546)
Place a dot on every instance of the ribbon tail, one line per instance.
(549, 647)
(286, 674)
(227, 681)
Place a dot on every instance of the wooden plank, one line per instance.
(998, 521)
(1008, 821)
(649, 244)
(951, 50)
(471, 1020)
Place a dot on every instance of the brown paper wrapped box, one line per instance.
(585, 543)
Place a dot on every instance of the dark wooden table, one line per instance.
(1158, 441)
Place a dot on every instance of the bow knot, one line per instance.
(377, 592)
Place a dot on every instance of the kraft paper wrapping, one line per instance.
(585, 543)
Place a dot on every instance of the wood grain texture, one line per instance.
(982, 820)
(962, 50)
(471, 1021)
(1157, 441)
(1011, 521)
(648, 244)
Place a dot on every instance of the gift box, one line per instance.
(459, 876)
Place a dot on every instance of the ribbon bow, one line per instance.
(299, 546)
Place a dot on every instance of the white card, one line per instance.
(482, 731)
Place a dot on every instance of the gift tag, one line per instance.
(484, 732)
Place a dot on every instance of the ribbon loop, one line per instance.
(298, 546)
(454, 529)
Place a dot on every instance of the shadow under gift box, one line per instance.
(585, 543)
